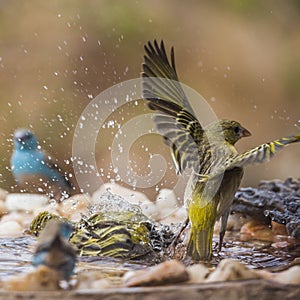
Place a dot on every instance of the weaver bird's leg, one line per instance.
(224, 219)
(175, 240)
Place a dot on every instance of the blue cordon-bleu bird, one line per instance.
(54, 250)
(35, 170)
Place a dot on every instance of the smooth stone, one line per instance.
(72, 208)
(167, 272)
(289, 276)
(197, 273)
(92, 280)
(168, 209)
(229, 269)
(3, 208)
(235, 222)
(26, 202)
(255, 230)
(3, 194)
(10, 229)
(278, 229)
(41, 279)
(137, 198)
(233, 290)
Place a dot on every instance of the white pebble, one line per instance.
(148, 208)
(10, 229)
(229, 269)
(289, 276)
(197, 273)
(26, 202)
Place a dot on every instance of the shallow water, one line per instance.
(16, 254)
(258, 254)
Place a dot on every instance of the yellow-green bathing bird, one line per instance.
(113, 234)
(40, 221)
(210, 152)
(126, 235)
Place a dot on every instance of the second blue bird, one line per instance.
(54, 250)
(35, 170)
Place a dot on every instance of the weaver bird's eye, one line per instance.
(236, 129)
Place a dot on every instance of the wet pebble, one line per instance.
(3, 194)
(3, 208)
(51, 207)
(10, 229)
(167, 208)
(25, 202)
(41, 279)
(197, 273)
(72, 208)
(94, 280)
(165, 273)
(133, 197)
(229, 269)
(289, 276)
(255, 230)
(278, 229)
(22, 218)
(281, 245)
(235, 222)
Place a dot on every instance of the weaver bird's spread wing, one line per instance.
(260, 154)
(176, 121)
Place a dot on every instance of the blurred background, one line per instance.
(242, 56)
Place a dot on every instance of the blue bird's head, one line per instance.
(66, 229)
(24, 139)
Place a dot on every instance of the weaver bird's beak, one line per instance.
(245, 132)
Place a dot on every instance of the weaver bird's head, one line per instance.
(229, 130)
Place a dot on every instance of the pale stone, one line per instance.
(3, 194)
(133, 197)
(72, 208)
(229, 269)
(254, 230)
(281, 244)
(41, 279)
(20, 217)
(24, 219)
(25, 202)
(234, 223)
(51, 208)
(197, 273)
(178, 216)
(265, 274)
(289, 276)
(167, 208)
(101, 284)
(3, 208)
(278, 229)
(167, 272)
(92, 280)
(10, 229)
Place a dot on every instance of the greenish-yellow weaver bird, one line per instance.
(210, 152)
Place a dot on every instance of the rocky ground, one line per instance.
(268, 214)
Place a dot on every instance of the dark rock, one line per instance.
(274, 200)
